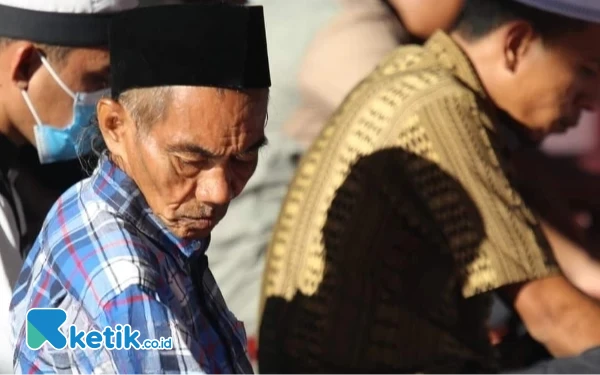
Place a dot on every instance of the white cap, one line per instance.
(73, 6)
(70, 23)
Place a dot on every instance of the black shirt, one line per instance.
(38, 185)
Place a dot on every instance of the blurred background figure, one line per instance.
(351, 45)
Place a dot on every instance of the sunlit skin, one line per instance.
(196, 159)
(543, 85)
(421, 18)
(84, 70)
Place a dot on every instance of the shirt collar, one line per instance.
(449, 54)
(121, 193)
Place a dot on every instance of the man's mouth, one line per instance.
(203, 222)
(187, 217)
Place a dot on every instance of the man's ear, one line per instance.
(518, 41)
(24, 62)
(114, 123)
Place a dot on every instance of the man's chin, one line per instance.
(191, 233)
(193, 229)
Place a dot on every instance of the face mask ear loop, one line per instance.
(29, 104)
(56, 77)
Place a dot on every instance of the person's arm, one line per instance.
(559, 311)
(575, 262)
(514, 256)
(422, 18)
(538, 181)
(140, 308)
(556, 314)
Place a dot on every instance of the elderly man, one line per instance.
(405, 214)
(54, 66)
(124, 251)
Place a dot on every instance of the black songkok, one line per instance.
(216, 45)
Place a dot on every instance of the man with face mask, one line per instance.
(54, 66)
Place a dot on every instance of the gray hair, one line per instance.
(146, 106)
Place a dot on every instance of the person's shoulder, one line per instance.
(111, 261)
(94, 251)
(71, 219)
(410, 79)
(70, 208)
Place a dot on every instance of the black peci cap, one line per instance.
(213, 45)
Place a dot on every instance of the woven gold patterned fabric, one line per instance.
(400, 218)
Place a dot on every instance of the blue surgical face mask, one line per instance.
(65, 143)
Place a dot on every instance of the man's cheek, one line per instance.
(176, 191)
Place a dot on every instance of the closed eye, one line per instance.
(247, 157)
(187, 166)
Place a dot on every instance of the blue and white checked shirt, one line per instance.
(106, 259)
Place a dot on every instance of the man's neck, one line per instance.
(514, 132)
(10, 142)
(8, 130)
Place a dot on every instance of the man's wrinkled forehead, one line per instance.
(219, 104)
(191, 112)
(225, 118)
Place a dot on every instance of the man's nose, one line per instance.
(215, 187)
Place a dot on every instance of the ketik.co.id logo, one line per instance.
(44, 325)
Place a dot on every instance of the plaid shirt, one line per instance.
(106, 259)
